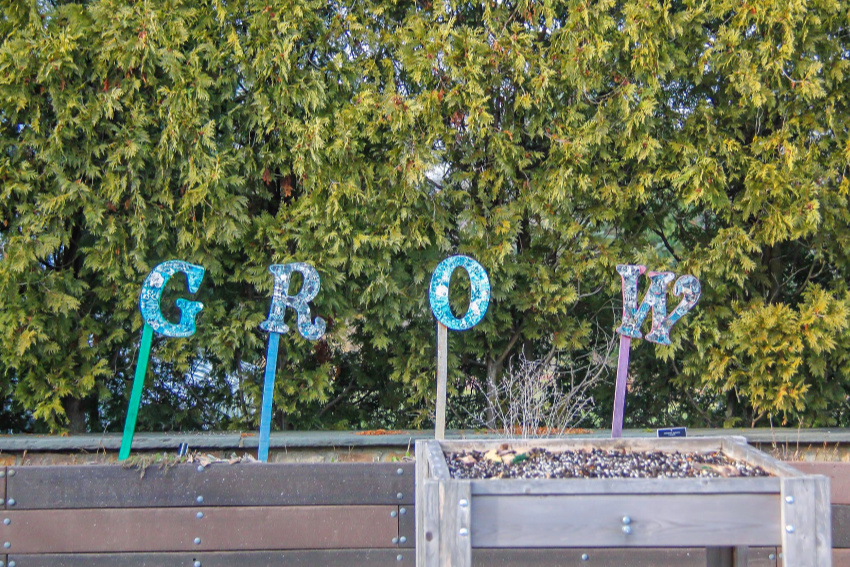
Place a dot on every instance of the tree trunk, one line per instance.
(494, 375)
(75, 410)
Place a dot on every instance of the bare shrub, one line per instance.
(548, 397)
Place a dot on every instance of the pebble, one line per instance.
(596, 463)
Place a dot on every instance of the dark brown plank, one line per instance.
(841, 558)
(647, 557)
(407, 526)
(218, 529)
(840, 526)
(839, 477)
(288, 484)
(313, 558)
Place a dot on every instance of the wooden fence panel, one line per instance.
(105, 486)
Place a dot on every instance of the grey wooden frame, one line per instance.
(726, 516)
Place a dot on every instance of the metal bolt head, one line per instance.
(200, 468)
(789, 499)
(7, 545)
(789, 528)
(772, 556)
(197, 541)
(464, 532)
(397, 558)
(196, 564)
(11, 472)
(585, 556)
(11, 502)
(402, 539)
(199, 515)
(626, 520)
(399, 496)
(2, 474)
(463, 503)
(199, 499)
(7, 521)
(395, 540)
(399, 472)
(12, 564)
(393, 514)
(402, 511)
(627, 530)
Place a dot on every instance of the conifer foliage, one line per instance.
(549, 140)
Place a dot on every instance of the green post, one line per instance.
(136, 396)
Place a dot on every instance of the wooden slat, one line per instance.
(737, 448)
(220, 529)
(823, 516)
(839, 478)
(428, 525)
(455, 538)
(804, 533)
(596, 521)
(312, 558)
(111, 486)
(683, 557)
(841, 558)
(840, 526)
(436, 461)
(407, 526)
(4, 472)
(757, 485)
(684, 444)
(422, 473)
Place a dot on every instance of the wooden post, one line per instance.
(806, 521)
(620, 388)
(455, 523)
(442, 379)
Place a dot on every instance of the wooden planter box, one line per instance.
(726, 515)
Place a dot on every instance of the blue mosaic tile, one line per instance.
(479, 293)
(149, 302)
(309, 329)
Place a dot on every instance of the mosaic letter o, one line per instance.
(479, 293)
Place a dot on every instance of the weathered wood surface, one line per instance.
(840, 526)
(681, 444)
(455, 524)
(422, 472)
(839, 478)
(3, 474)
(438, 469)
(407, 526)
(110, 486)
(442, 379)
(300, 558)
(737, 448)
(199, 529)
(597, 521)
(806, 530)
(428, 534)
(759, 557)
(757, 485)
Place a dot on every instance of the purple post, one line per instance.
(620, 391)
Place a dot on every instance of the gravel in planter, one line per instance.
(596, 463)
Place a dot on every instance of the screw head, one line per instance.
(197, 541)
(463, 503)
(399, 472)
(393, 514)
(395, 540)
(464, 532)
(12, 564)
(397, 558)
(585, 556)
(402, 511)
(627, 530)
(199, 515)
(789, 528)
(789, 499)
(2, 474)
(11, 502)
(7, 521)
(200, 468)
(772, 556)
(626, 520)
(402, 539)
(399, 496)
(196, 564)
(199, 499)
(7, 545)
(11, 472)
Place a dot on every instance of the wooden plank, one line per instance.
(683, 444)
(4, 472)
(422, 473)
(300, 558)
(800, 523)
(823, 516)
(442, 379)
(407, 526)
(596, 557)
(841, 557)
(839, 478)
(428, 525)
(111, 486)
(737, 448)
(840, 526)
(759, 485)
(597, 521)
(719, 557)
(455, 541)
(437, 466)
(218, 529)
